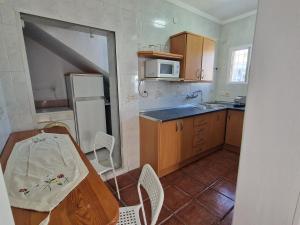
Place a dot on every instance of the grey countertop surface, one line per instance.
(186, 111)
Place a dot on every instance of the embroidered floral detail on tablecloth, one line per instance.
(48, 184)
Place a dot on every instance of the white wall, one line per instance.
(92, 48)
(5, 210)
(47, 71)
(5, 129)
(269, 173)
(235, 34)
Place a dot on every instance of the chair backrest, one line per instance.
(103, 140)
(150, 182)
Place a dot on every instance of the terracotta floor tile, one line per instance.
(172, 221)
(164, 214)
(195, 214)
(124, 181)
(232, 176)
(206, 176)
(164, 182)
(190, 168)
(216, 202)
(130, 195)
(224, 154)
(175, 199)
(226, 188)
(175, 177)
(218, 172)
(228, 219)
(135, 173)
(190, 185)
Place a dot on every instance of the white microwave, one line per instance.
(160, 68)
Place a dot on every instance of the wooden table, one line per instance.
(91, 202)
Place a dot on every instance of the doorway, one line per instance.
(55, 49)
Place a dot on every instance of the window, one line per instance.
(239, 64)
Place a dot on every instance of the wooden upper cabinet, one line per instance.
(234, 127)
(193, 57)
(198, 56)
(208, 60)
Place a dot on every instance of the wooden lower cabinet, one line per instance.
(201, 133)
(234, 130)
(167, 146)
(186, 139)
(234, 127)
(217, 129)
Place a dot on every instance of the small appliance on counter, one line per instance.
(240, 101)
(160, 68)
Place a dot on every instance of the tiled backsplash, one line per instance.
(171, 94)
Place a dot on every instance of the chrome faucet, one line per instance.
(195, 94)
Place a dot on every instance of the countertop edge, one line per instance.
(142, 114)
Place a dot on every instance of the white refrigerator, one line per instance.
(86, 97)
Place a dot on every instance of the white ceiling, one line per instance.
(219, 10)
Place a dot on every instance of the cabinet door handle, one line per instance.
(202, 74)
(198, 73)
(181, 125)
(176, 126)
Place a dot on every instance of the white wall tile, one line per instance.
(7, 15)
(4, 62)
(4, 120)
(234, 34)
(12, 45)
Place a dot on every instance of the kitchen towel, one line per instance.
(42, 170)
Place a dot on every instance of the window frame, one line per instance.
(230, 62)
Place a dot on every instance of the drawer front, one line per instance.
(199, 141)
(201, 121)
(203, 130)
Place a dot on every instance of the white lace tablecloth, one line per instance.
(42, 170)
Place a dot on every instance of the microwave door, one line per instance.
(166, 70)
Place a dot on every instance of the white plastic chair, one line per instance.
(150, 182)
(105, 142)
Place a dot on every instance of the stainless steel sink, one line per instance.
(208, 106)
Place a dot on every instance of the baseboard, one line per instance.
(201, 155)
(232, 148)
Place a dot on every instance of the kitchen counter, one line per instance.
(53, 109)
(183, 112)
